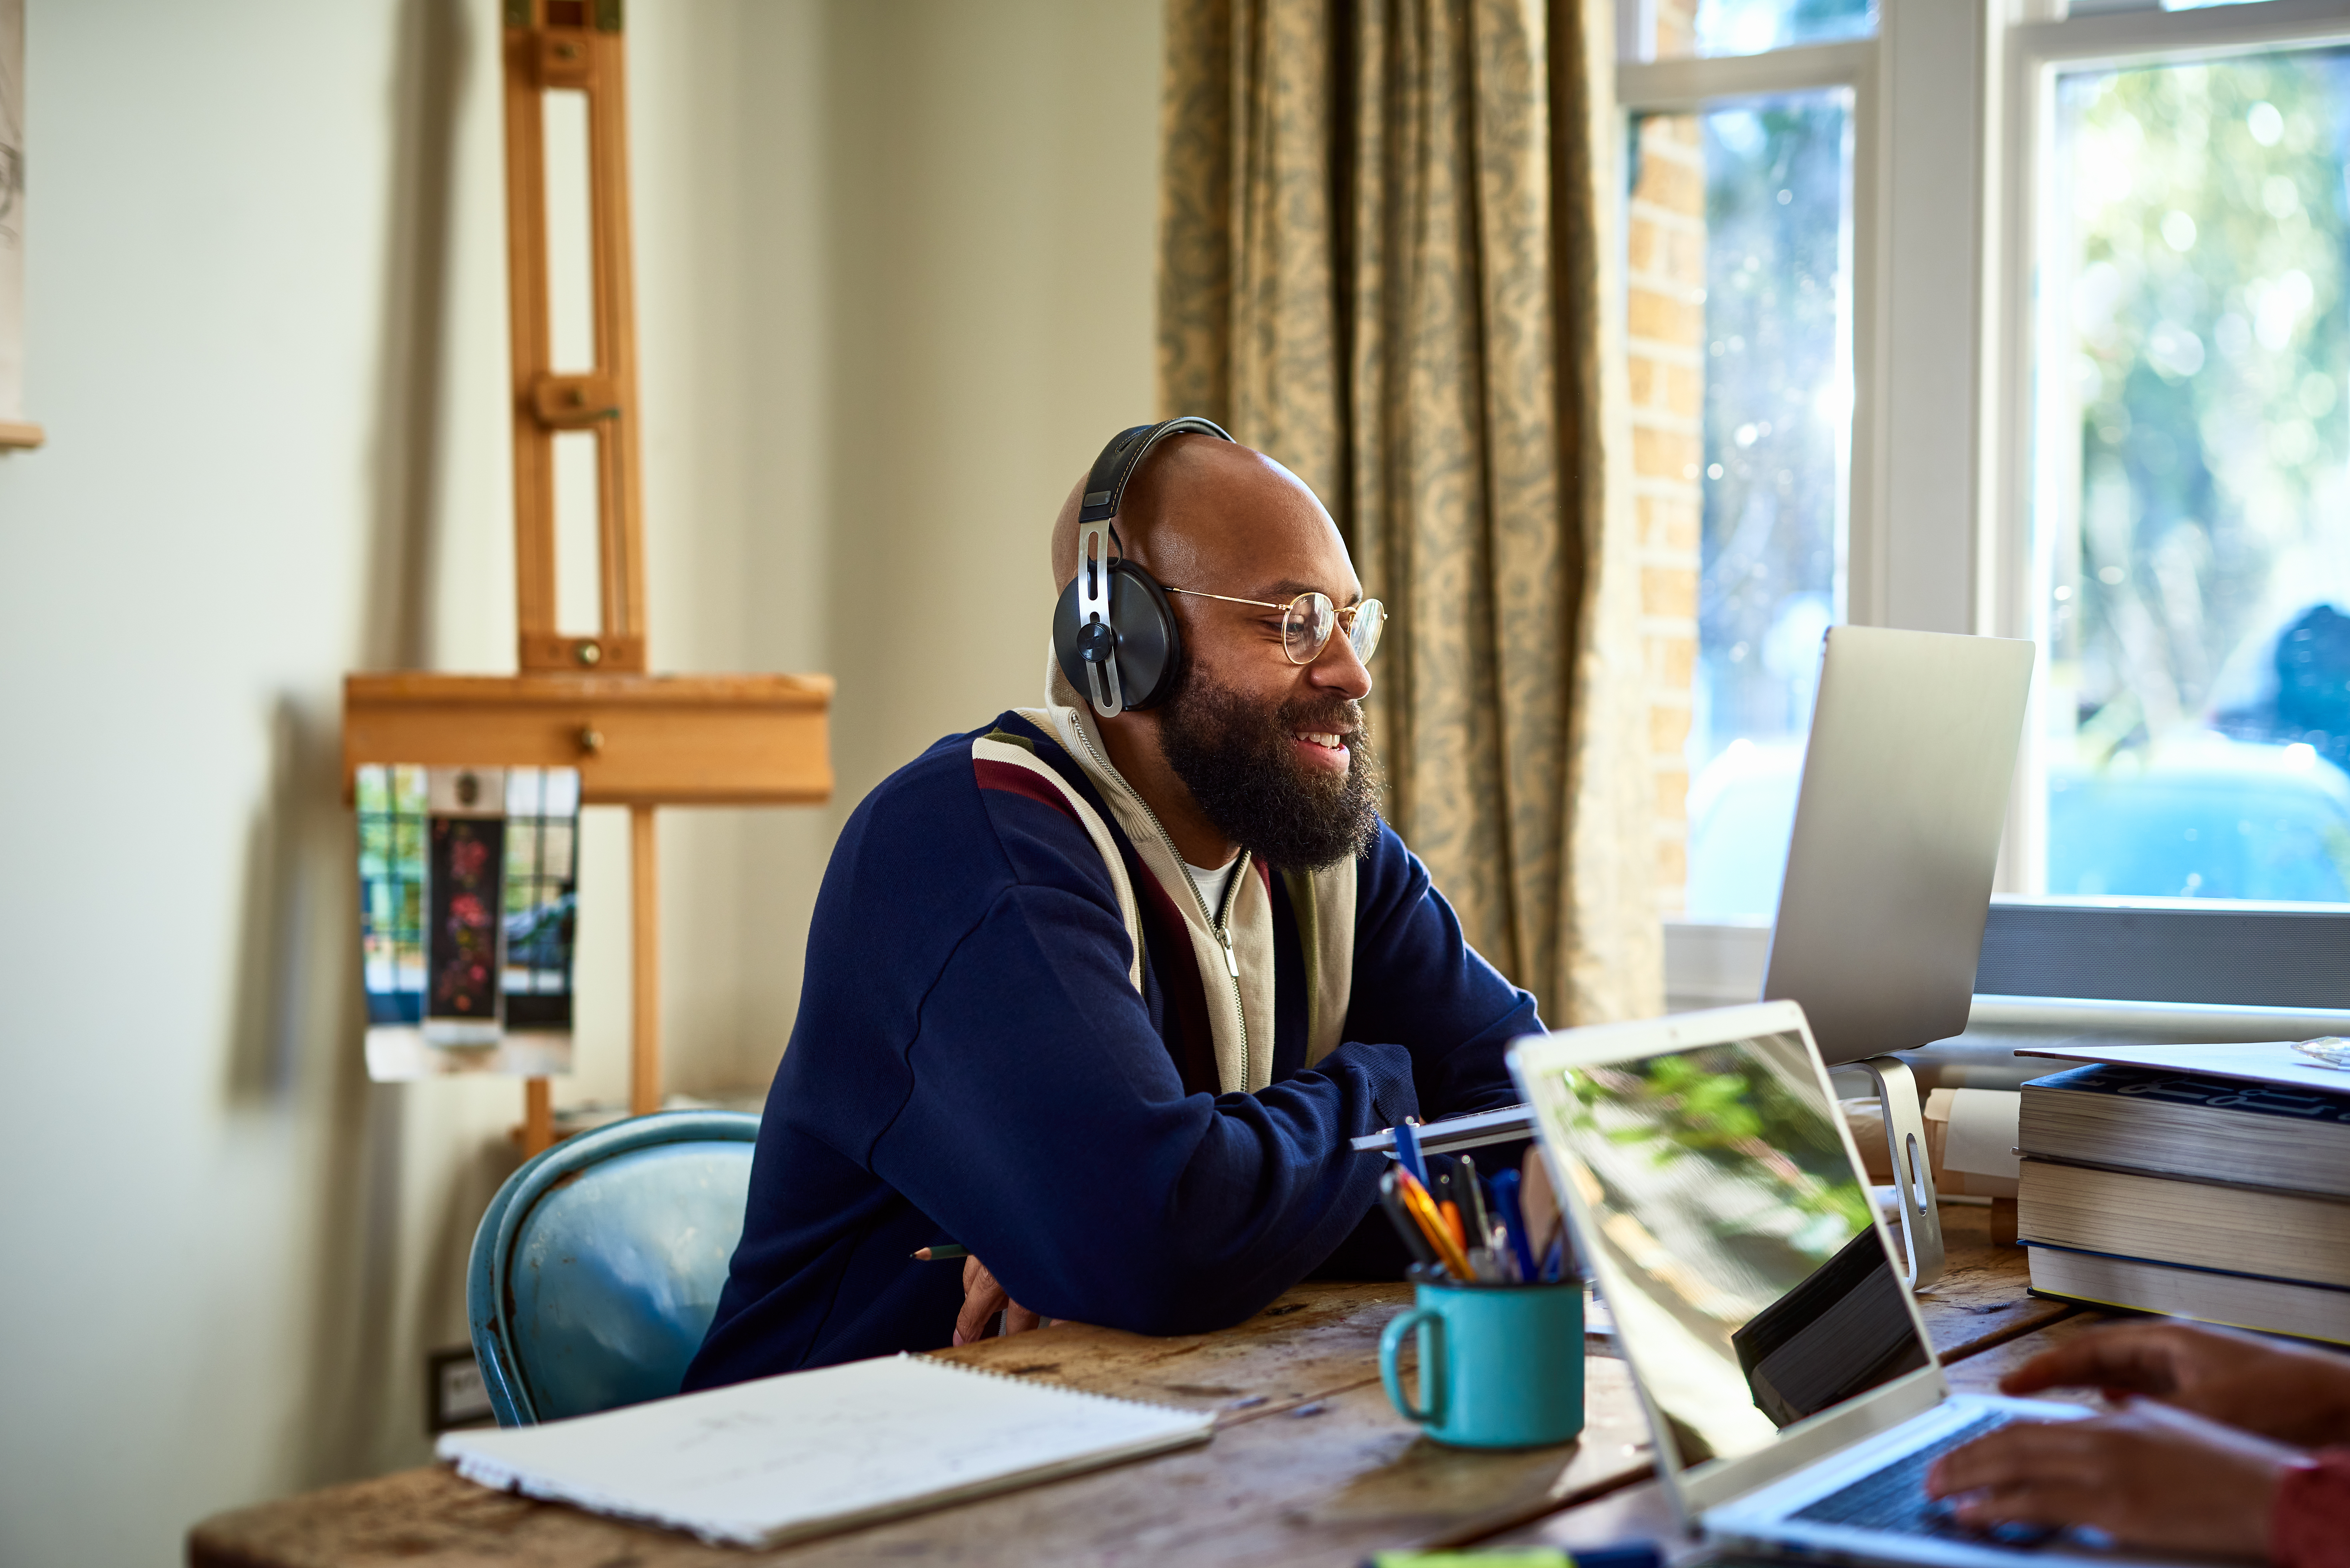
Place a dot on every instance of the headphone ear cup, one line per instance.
(1150, 643)
(1150, 639)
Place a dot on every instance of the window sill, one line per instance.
(2294, 952)
(2216, 1021)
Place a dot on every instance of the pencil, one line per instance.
(1431, 1224)
(942, 1252)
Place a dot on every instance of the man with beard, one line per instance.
(1104, 1000)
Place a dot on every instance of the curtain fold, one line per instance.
(1386, 245)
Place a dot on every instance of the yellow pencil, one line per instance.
(1422, 1209)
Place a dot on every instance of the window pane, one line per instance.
(2193, 437)
(1683, 27)
(1744, 212)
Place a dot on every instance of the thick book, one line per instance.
(2201, 1225)
(808, 1453)
(2235, 1301)
(2190, 1124)
(2276, 1062)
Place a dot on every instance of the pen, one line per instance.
(1408, 1155)
(1444, 1186)
(942, 1252)
(1473, 1202)
(1400, 1215)
(1505, 1199)
(1431, 1224)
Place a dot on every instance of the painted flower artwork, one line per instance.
(468, 856)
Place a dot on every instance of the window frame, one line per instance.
(1952, 108)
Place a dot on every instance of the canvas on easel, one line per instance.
(468, 919)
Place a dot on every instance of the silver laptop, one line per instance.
(1722, 1211)
(1905, 790)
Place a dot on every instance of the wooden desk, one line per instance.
(1309, 1464)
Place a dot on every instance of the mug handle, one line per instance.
(1430, 1324)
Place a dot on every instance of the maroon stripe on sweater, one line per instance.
(1190, 1039)
(1013, 779)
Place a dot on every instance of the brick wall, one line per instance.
(1665, 347)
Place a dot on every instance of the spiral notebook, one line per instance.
(808, 1453)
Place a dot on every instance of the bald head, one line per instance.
(1250, 747)
(1201, 510)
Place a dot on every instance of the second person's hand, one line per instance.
(2285, 1392)
(2151, 1477)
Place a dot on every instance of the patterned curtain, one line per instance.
(1387, 237)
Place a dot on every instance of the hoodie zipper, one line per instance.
(1219, 920)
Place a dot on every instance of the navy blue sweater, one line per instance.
(973, 1063)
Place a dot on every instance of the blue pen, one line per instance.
(1555, 1260)
(1513, 1221)
(1408, 1155)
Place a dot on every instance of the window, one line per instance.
(2190, 510)
(2163, 482)
(1740, 315)
(2093, 325)
(1663, 29)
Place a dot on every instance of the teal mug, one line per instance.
(1501, 1366)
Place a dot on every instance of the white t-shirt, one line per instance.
(1212, 883)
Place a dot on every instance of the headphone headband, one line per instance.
(1105, 485)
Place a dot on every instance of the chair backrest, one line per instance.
(596, 1269)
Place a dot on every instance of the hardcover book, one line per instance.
(2202, 1127)
(2207, 1295)
(2204, 1225)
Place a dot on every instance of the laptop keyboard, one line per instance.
(1894, 1499)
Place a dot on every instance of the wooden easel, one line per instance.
(585, 701)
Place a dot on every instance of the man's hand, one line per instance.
(2290, 1394)
(2150, 1477)
(983, 1298)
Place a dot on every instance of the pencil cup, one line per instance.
(1501, 1366)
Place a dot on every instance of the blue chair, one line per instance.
(596, 1270)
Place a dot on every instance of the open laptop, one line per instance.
(1721, 1208)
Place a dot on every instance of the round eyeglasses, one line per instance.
(1307, 621)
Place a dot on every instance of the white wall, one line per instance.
(991, 224)
(894, 290)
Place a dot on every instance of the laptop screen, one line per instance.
(1748, 1285)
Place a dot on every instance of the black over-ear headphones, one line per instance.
(1113, 630)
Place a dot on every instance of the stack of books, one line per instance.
(2195, 1196)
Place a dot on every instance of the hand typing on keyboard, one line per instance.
(2197, 1473)
(2150, 1477)
(1893, 1497)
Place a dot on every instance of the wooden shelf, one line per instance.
(17, 436)
(637, 740)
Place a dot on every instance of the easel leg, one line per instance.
(537, 1115)
(1905, 1132)
(644, 968)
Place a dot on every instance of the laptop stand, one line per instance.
(1913, 1180)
